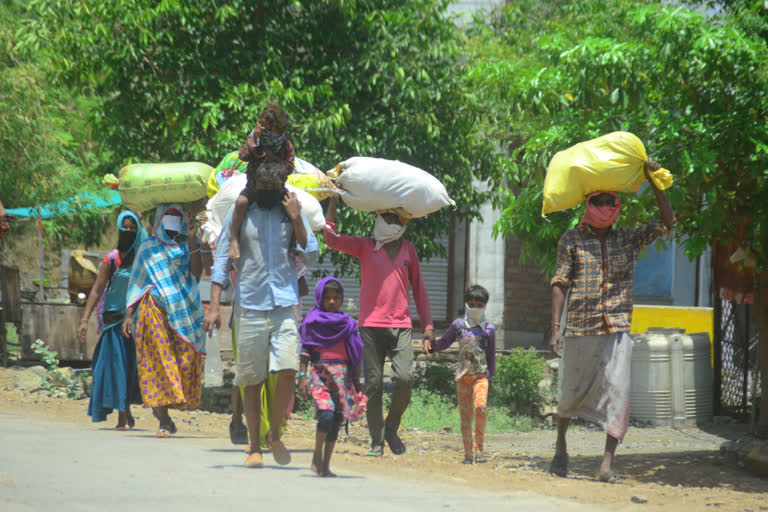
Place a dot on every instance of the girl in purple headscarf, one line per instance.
(330, 341)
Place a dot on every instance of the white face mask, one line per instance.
(384, 232)
(172, 223)
(475, 315)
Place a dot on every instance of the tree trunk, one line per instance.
(761, 319)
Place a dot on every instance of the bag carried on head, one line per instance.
(613, 162)
(376, 184)
(311, 179)
(144, 186)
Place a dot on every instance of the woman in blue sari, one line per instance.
(115, 377)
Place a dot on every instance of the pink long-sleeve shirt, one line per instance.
(384, 283)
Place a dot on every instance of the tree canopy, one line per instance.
(186, 80)
(48, 149)
(691, 85)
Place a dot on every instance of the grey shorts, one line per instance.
(267, 341)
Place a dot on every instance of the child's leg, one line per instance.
(480, 400)
(330, 444)
(464, 397)
(324, 427)
(241, 205)
(317, 458)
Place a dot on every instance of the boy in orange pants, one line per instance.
(477, 364)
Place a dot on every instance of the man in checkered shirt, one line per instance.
(596, 264)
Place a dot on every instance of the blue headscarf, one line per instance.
(127, 256)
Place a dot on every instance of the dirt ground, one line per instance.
(672, 468)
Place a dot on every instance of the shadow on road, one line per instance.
(695, 469)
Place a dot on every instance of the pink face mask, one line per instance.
(600, 217)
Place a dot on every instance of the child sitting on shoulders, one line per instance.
(331, 342)
(477, 363)
(266, 143)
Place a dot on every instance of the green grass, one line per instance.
(431, 412)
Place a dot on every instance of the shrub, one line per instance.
(437, 376)
(516, 384)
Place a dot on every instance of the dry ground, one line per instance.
(673, 468)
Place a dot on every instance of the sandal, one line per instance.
(122, 422)
(254, 460)
(559, 465)
(375, 452)
(280, 453)
(166, 430)
(610, 478)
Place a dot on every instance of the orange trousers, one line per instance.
(472, 394)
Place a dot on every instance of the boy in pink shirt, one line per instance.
(388, 266)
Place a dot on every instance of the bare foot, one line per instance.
(234, 249)
(328, 474)
(316, 465)
(122, 421)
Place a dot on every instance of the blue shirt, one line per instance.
(266, 273)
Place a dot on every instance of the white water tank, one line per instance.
(671, 377)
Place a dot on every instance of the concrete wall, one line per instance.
(485, 265)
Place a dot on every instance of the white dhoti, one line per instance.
(594, 380)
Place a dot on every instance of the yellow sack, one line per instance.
(317, 184)
(144, 186)
(613, 162)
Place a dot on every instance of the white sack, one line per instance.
(310, 208)
(375, 184)
(218, 206)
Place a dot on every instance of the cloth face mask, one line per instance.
(125, 240)
(476, 315)
(266, 199)
(383, 232)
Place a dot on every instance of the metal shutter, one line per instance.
(434, 270)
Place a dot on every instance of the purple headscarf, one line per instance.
(324, 329)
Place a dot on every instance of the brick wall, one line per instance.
(527, 300)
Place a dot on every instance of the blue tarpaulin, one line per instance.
(87, 200)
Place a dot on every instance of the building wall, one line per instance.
(527, 301)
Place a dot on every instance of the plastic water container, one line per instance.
(671, 377)
(214, 376)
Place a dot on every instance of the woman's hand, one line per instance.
(191, 231)
(82, 330)
(128, 325)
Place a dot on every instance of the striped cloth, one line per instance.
(162, 268)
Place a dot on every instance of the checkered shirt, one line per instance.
(599, 276)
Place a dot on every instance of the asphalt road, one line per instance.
(59, 467)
